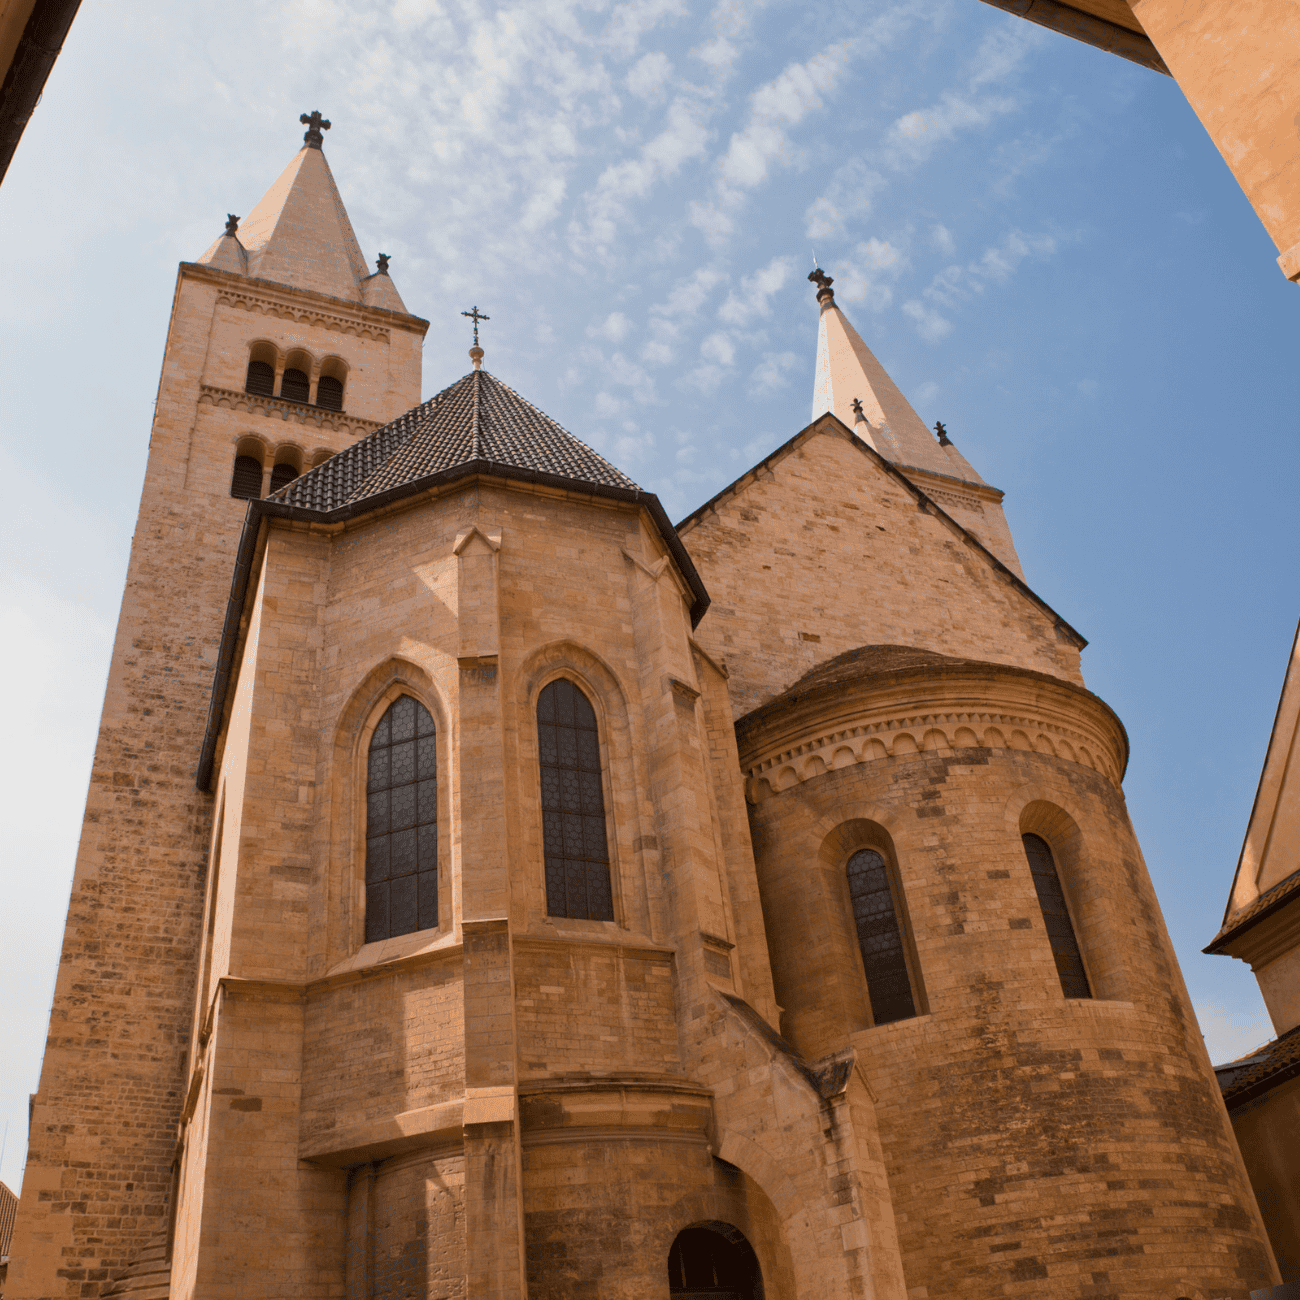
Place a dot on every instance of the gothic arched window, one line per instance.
(329, 393)
(576, 844)
(261, 378)
(282, 474)
(1056, 918)
(880, 937)
(402, 823)
(246, 481)
(294, 385)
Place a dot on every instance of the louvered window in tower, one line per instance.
(573, 806)
(246, 481)
(282, 474)
(329, 393)
(295, 385)
(1056, 918)
(402, 823)
(261, 378)
(880, 937)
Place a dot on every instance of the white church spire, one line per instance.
(848, 373)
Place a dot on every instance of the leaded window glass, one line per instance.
(402, 823)
(573, 806)
(1056, 918)
(295, 385)
(880, 938)
(329, 393)
(260, 379)
(246, 481)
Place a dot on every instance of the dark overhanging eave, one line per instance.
(1100, 33)
(268, 508)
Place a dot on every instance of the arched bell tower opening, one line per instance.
(713, 1260)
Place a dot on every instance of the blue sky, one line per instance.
(1037, 239)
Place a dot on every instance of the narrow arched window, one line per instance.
(402, 823)
(573, 805)
(1056, 918)
(246, 481)
(880, 937)
(282, 474)
(261, 378)
(329, 393)
(295, 385)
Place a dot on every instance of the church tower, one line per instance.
(282, 350)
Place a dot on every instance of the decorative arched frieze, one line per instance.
(303, 315)
(278, 408)
(864, 724)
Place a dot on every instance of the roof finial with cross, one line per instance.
(476, 352)
(315, 124)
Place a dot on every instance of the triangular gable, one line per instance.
(825, 545)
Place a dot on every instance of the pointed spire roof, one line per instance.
(300, 235)
(848, 372)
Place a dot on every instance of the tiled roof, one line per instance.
(1262, 1070)
(1243, 918)
(476, 424)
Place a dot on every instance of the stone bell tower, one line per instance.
(282, 350)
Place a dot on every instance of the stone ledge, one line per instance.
(279, 408)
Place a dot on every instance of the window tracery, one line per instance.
(1056, 918)
(402, 822)
(880, 937)
(574, 834)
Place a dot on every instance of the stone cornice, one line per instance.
(942, 707)
(269, 298)
(278, 408)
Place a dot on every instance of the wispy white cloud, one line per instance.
(764, 141)
(955, 284)
(614, 328)
(772, 373)
(753, 298)
(846, 199)
(865, 276)
(649, 76)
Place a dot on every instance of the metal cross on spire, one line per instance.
(315, 124)
(476, 316)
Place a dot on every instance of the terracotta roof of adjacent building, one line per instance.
(1238, 922)
(1260, 1071)
(476, 424)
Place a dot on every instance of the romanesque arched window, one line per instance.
(246, 481)
(261, 378)
(1056, 918)
(576, 842)
(282, 474)
(880, 937)
(329, 393)
(402, 823)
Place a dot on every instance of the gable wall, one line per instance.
(824, 551)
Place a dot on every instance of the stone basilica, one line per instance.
(571, 904)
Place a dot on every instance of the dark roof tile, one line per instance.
(477, 420)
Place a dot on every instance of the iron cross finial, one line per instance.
(232, 224)
(823, 283)
(941, 429)
(382, 263)
(475, 316)
(857, 408)
(315, 124)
